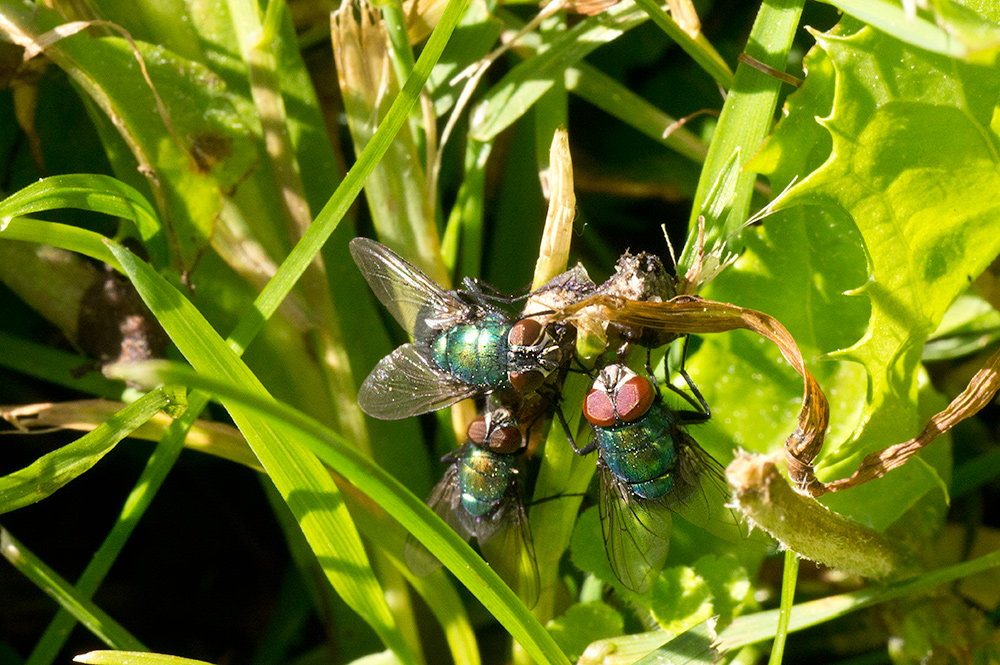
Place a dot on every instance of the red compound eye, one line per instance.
(526, 332)
(526, 381)
(477, 431)
(504, 440)
(633, 398)
(598, 409)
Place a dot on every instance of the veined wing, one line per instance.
(505, 541)
(636, 532)
(445, 500)
(703, 497)
(408, 383)
(405, 291)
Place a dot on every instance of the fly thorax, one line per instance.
(474, 353)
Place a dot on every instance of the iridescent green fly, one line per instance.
(480, 497)
(463, 344)
(649, 467)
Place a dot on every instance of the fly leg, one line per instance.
(703, 413)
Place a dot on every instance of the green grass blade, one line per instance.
(745, 121)
(335, 209)
(54, 366)
(127, 657)
(83, 191)
(522, 86)
(72, 238)
(453, 552)
(446, 605)
(51, 472)
(614, 98)
(788, 582)
(698, 48)
(91, 616)
(692, 647)
(761, 626)
(150, 480)
(304, 483)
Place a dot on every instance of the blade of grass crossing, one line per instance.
(133, 658)
(52, 471)
(335, 209)
(95, 619)
(304, 483)
(453, 552)
(155, 472)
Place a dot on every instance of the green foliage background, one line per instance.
(882, 238)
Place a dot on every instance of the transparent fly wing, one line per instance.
(703, 497)
(445, 500)
(636, 532)
(408, 383)
(505, 541)
(408, 294)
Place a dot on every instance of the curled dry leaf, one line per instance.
(980, 392)
(693, 315)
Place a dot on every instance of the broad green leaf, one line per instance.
(305, 484)
(914, 164)
(206, 151)
(582, 624)
(711, 586)
(52, 471)
(953, 30)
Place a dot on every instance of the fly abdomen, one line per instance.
(484, 478)
(642, 453)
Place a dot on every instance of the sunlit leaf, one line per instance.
(913, 163)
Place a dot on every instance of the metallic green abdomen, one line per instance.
(475, 354)
(484, 478)
(642, 453)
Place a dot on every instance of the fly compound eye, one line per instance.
(526, 381)
(478, 430)
(598, 408)
(526, 332)
(504, 440)
(633, 398)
